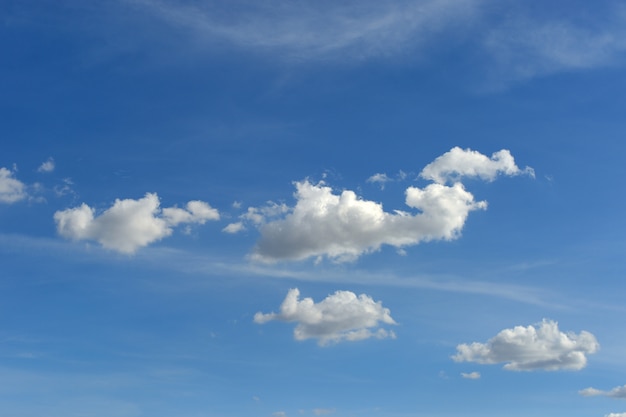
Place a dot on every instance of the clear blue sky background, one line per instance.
(124, 309)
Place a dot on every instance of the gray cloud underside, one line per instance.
(342, 316)
(540, 347)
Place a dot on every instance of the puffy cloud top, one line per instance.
(531, 348)
(342, 316)
(130, 224)
(344, 226)
(11, 189)
(458, 163)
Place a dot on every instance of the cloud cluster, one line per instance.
(617, 392)
(540, 347)
(342, 316)
(130, 224)
(344, 226)
(11, 189)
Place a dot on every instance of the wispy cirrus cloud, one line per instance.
(514, 42)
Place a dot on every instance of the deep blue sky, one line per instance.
(298, 131)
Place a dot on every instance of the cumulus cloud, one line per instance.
(342, 316)
(471, 375)
(11, 189)
(47, 166)
(617, 392)
(343, 226)
(458, 163)
(318, 30)
(538, 347)
(130, 224)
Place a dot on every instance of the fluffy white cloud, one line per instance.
(47, 166)
(458, 163)
(380, 179)
(531, 348)
(344, 226)
(342, 316)
(130, 224)
(471, 375)
(617, 392)
(11, 189)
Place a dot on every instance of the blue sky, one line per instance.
(368, 209)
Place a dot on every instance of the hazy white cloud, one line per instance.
(130, 224)
(539, 347)
(11, 189)
(344, 226)
(471, 375)
(458, 163)
(323, 411)
(234, 228)
(380, 179)
(279, 414)
(342, 316)
(47, 166)
(318, 30)
(615, 415)
(617, 392)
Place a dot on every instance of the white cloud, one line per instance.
(304, 31)
(380, 179)
(471, 375)
(615, 415)
(342, 316)
(540, 347)
(11, 189)
(344, 226)
(323, 411)
(233, 228)
(458, 163)
(47, 166)
(129, 224)
(279, 414)
(617, 392)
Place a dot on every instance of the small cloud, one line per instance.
(11, 189)
(130, 224)
(458, 163)
(617, 392)
(615, 415)
(539, 347)
(279, 414)
(47, 166)
(255, 398)
(233, 228)
(380, 179)
(323, 411)
(236, 204)
(471, 375)
(341, 316)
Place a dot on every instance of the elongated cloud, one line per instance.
(458, 163)
(539, 347)
(342, 316)
(11, 189)
(617, 392)
(130, 224)
(344, 226)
